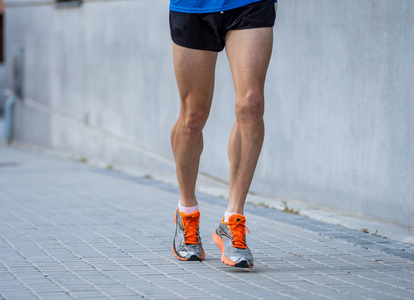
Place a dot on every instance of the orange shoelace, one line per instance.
(238, 230)
(190, 224)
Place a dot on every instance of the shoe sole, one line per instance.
(219, 242)
(192, 257)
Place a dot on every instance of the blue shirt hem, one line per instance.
(212, 9)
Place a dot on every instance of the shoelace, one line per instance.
(190, 225)
(238, 230)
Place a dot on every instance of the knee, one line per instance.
(193, 118)
(250, 107)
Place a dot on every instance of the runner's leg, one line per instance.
(194, 72)
(249, 53)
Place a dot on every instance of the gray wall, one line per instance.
(2, 88)
(339, 128)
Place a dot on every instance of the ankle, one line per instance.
(187, 209)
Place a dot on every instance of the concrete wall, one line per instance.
(339, 129)
(2, 86)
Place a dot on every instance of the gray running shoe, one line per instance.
(187, 242)
(230, 238)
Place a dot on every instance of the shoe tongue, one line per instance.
(194, 214)
(236, 218)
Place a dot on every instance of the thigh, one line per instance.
(249, 52)
(194, 72)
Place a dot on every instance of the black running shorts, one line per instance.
(208, 31)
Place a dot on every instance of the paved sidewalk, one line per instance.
(71, 231)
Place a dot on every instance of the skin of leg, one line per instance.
(194, 72)
(249, 53)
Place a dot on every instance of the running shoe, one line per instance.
(187, 242)
(230, 238)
